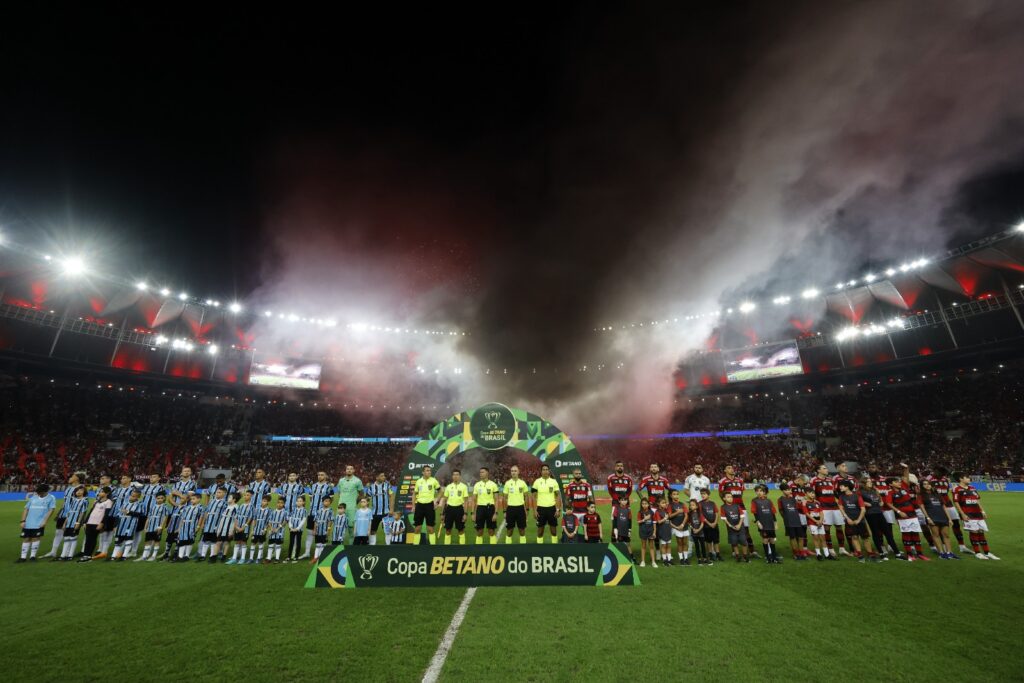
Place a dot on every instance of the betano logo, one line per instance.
(568, 463)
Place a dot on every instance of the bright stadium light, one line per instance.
(212, 349)
(72, 266)
(161, 339)
(851, 283)
(209, 302)
(781, 300)
(235, 307)
(896, 323)
(165, 292)
(839, 285)
(141, 286)
(1020, 227)
(846, 333)
(889, 272)
(810, 293)
(747, 306)
(183, 296)
(870, 277)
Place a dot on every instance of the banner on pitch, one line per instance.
(419, 566)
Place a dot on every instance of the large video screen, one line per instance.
(293, 373)
(762, 362)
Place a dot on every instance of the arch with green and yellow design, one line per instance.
(492, 426)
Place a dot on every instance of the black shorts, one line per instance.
(455, 516)
(172, 536)
(712, 534)
(623, 538)
(485, 517)
(796, 532)
(362, 540)
(737, 537)
(223, 538)
(310, 522)
(768, 533)
(546, 517)
(31, 533)
(60, 522)
(593, 540)
(258, 539)
(122, 538)
(424, 512)
(152, 536)
(209, 537)
(185, 542)
(276, 541)
(646, 532)
(320, 538)
(375, 523)
(241, 536)
(515, 517)
(859, 530)
(70, 532)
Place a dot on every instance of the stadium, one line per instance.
(576, 358)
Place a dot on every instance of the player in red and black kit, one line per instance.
(798, 486)
(940, 482)
(620, 485)
(906, 504)
(825, 491)
(734, 485)
(968, 503)
(579, 494)
(654, 485)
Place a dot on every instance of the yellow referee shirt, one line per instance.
(456, 494)
(426, 489)
(546, 490)
(515, 491)
(484, 492)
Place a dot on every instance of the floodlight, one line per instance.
(72, 266)
(235, 307)
(747, 306)
(141, 286)
(212, 349)
(183, 296)
(810, 293)
(165, 292)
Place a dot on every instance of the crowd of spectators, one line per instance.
(50, 428)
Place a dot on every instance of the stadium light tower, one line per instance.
(747, 306)
(810, 293)
(235, 307)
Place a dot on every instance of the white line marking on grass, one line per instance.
(437, 663)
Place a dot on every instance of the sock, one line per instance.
(24, 550)
(319, 549)
(432, 539)
(448, 539)
(118, 550)
(840, 536)
(522, 537)
(58, 542)
(817, 551)
(169, 548)
(259, 553)
(957, 531)
(105, 541)
(309, 543)
(129, 545)
(69, 547)
(828, 539)
(984, 541)
(463, 538)
(183, 552)
(415, 539)
(975, 541)
(479, 539)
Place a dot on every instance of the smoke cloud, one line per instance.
(674, 167)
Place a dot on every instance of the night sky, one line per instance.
(564, 165)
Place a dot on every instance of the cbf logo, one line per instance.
(367, 564)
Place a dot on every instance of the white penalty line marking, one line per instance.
(445, 646)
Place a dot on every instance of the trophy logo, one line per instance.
(367, 563)
(492, 418)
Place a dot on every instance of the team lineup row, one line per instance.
(135, 516)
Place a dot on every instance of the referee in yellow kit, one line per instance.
(425, 498)
(549, 504)
(454, 501)
(483, 506)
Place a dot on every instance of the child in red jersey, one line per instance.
(592, 524)
(815, 515)
(968, 504)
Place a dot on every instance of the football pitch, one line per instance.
(803, 621)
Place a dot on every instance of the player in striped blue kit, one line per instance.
(177, 504)
(381, 494)
(220, 483)
(74, 481)
(189, 522)
(211, 520)
(119, 498)
(156, 521)
(318, 491)
(75, 509)
(226, 527)
(296, 521)
(149, 492)
(276, 523)
(243, 517)
(291, 491)
(127, 524)
(322, 519)
(394, 529)
(258, 487)
(258, 525)
(340, 525)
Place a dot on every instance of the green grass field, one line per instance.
(806, 621)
